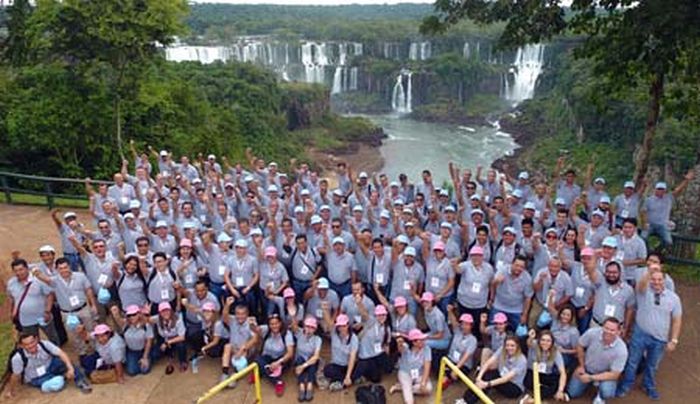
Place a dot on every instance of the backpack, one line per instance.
(25, 360)
(372, 394)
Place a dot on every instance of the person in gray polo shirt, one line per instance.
(512, 288)
(42, 364)
(657, 209)
(31, 301)
(613, 297)
(601, 356)
(632, 248)
(658, 317)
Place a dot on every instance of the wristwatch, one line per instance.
(675, 341)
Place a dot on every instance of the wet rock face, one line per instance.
(688, 210)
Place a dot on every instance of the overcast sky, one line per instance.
(323, 2)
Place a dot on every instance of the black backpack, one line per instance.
(25, 361)
(372, 394)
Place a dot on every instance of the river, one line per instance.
(413, 146)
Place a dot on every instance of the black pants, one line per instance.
(508, 390)
(372, 368)
(335, 373)
(549, 383)
(476, 315)
(308, 375)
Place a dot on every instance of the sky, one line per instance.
(319, 2)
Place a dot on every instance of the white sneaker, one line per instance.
(525, 399)
(598, 400)
(336, 386)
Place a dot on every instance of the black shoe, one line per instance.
(84, 386)
(302, 396)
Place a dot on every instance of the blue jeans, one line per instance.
(342, 289)
(440, 344)
(76, 263)
(442, 303)
(56, 368)
(513, 318)
(660, 230)
(654, 348)
(584, 321)
(577, 388)
(219, 290)
(133, 367)
(300, 287)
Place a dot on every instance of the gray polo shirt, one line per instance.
(340, 266)
(135, 337)
(114, 351)
(512, 292)
(220, 330)
(123, 195)
(342, 347)
(187, 275)
(438, 275)
(517, 364)
(627, 207)
(37, 364)
(372, 339)
(241, 270)
(168, 245)
(65, 232)
(436, 323)
(599, 357)
(594, 237)
(306, 345)
(544, 364)
(239, 333)
(655, 319)
(631, 248)
(668, 281)
(71, 294)
(305, 264)
(196, 317)
(272, 276)
(567, 192)
(98, 271)
(403, 324)
(275, 346)
(473, 289)
(658, 209)
(611, 301)
(561, 284)
(582, 285)
(313, 306)
(497, 338)
(405, 277)
(565, 336)
(174, 329)
(462, 344)
(412, 362)
(161, 287)
(34, 303)
(349, 307)
(380, 268)
(217, 264)
(130, 290)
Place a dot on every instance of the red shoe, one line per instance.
(279, 388)
(446, 383)
(251, 378)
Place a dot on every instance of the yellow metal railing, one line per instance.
(253, 367)
(536, 383)
(445, 362)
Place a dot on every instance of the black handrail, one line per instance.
(46, 188)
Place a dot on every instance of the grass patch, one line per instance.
(26, 199)
(6, 342)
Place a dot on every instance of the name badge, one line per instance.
(188, 278)
(434, 282)
(74, 301)
(609, 310)
(358, 319)
(222, 270)
(500, 265)
(542, 367)
(102, 279)
(379, 278)
(124, 200)
(304, 270)
(407, 285)
(40, 371)
(579, 292)
(414, 374)
(476, 287)
(239, 281)
(270, 285)
(377, 347)
(456, 356)
(625, 213)
(319, 313)
(620, 256)
(164, 295)
(587, 242)
(203, 218)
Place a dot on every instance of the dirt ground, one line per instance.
(25, 228)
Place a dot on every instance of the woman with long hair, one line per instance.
(171, 336)
(414, 367)
(277, 350)
(504, 371)
(308, 353)
(545, 358)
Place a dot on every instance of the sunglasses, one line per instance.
(471, 188)
(335, 226)
(657, 299)
(551, 236)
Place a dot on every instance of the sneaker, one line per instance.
(361, 380)
(567, 398)
(621, 393)
(169, 369)
(322, 382)
(232, 385)
(223, 378)
(653, 394)
(309, 395)
(525, 399)
(598, 400)
(251, 378)
(84, 386)
(279, 388)
(395, 389)
(335, 386)
(302, 396)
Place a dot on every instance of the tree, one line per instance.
(15, 45)
(632, 43)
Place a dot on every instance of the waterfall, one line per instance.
(353, 78)
(342, 54)
(401, 97)
(525, 70)
(202, 54)
(425, 50)
(465, 50)
(337, 81)
(357, 49)
(413, 51)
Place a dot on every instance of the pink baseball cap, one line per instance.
(341, 320)
(400, 301)
(380, 310)
(466, 318)
(101, 329)
(500, 318)
(270, 251)
(587, 252)
(476, 250)
(311, 322)
(185, 242)
(415, 334)
(133, 309)
(427, 297)
(208, 306)
(288, 292)
(164, 306)
(439, 245)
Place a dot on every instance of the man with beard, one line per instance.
(613, 298)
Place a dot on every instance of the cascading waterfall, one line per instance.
(419, 51)
(465, 50)
(353, 79)
(203, 54)
(337, 81)
(525, 70)
(401, 97)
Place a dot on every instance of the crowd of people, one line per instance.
(188, 262)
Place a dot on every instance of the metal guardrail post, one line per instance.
(49, 195)
(470, 385)
(536, 383)
(253, 367)
(6, 188)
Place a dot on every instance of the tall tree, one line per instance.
(632, 43)
(15, 45)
